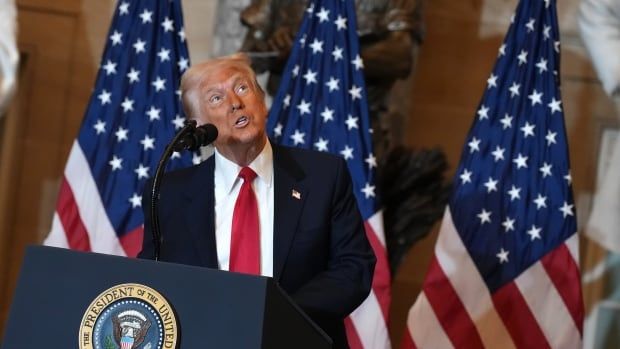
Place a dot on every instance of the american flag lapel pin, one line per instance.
(296, 194)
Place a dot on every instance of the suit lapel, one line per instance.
(289, 198)
(201, 213)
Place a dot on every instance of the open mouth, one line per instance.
(242, 121)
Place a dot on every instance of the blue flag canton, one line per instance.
(513, 200)
(135, 107)
(321, 103)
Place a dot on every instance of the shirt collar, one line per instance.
(227, 172)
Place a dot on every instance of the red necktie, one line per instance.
(245, 240)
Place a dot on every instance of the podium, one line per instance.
(58, 289)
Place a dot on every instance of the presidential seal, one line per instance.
(129, 316)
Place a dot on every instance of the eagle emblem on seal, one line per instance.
(130, 328)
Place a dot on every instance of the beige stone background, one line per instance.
(61, 43)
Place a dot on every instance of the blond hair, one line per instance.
(193, 78)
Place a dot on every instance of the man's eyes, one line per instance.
(243, 88)
(215, 99)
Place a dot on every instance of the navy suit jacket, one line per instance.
(322, 257)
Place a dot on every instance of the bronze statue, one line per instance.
(389, 30)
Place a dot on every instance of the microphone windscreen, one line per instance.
(205, 134)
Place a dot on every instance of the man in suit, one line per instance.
(295, 208)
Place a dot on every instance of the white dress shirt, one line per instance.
(227, 186)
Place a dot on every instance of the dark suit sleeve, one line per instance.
(343, 286)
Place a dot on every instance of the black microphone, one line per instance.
(191, 138)
(196, 138)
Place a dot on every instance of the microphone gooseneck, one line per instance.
(189, 138)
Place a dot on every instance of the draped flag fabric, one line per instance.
(133, 113)
(321, 104)
(505, 270)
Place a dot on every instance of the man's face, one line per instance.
(230, 100)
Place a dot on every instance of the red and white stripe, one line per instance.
(80, 221)
(542, 308)
(367, 325)
(127, 343)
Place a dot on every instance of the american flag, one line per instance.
(321, 104)
(133, 112)
(505, 272)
